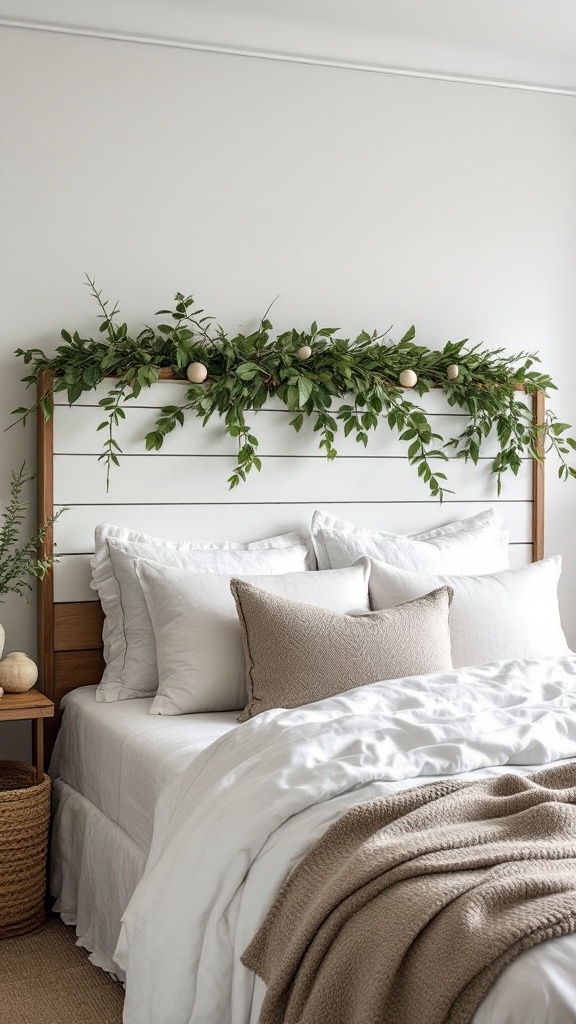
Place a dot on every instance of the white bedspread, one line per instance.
(228, 832)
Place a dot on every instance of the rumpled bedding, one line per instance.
(229, 831)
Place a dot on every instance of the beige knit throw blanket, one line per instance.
(410, 906)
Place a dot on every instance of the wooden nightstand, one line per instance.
(33, 705)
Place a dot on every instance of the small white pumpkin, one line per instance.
(18, 673)
(452, 371)
(408, 378)
(197, 373)
(304, 352)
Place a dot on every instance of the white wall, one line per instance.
(362, 200)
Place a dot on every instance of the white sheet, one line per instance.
(228, 832)
(120, 757)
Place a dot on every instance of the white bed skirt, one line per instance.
(94, 869)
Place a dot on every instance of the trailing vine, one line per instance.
(353, 385)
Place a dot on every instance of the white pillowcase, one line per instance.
(129, 650)
(511, 614)
(198, 636)
(478, 544)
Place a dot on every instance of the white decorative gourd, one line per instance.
(18, 673)
(197, 373)
(408, 378)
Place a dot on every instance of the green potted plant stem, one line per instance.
(19, 561)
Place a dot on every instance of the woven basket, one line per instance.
(24, 820)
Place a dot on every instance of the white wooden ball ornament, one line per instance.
(408, 378)
(197, 373)
(304, 352)
(18, 673)
(452, 371)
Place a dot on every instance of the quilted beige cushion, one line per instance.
(297, 653)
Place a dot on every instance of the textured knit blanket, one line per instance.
(409, 907)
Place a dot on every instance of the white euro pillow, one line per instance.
(512, 614)
(129, 650)
(198, 637)
(477, 544)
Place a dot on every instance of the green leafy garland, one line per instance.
(307, 371)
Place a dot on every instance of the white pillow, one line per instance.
(478, 544)
(198, 636)
(511, 614)
(129, 650)
(107, 531)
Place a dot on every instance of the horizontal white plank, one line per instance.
(74, 531)
(81, 479)
(76, 433)
(171, 392)
(520, 554)
(72, 574)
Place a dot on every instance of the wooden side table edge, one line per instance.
(34, 707)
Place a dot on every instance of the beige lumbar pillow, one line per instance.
(297, 654)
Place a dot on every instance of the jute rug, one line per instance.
(46, 979)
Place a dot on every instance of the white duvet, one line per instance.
(231, 828)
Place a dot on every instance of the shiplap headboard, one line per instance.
(182, 492)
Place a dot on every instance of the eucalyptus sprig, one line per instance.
(344, 384)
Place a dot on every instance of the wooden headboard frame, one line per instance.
(70, 634)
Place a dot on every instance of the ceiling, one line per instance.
(522, 42)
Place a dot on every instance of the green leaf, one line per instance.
(247, 371)
(559, 428)
(305, 389)
(46, 406)
(154, 440)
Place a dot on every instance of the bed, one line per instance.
(192, 822)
